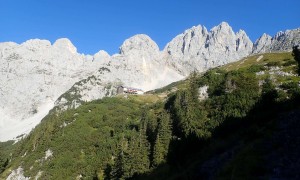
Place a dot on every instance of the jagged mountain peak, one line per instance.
(243, 43)
(263, 37)
(184, 43)
(102, 56)
(37, 42)
(139, 48)
(286, 34)
(65, 43)
(198, 49)
(262, 43)
(281, 41)
(138, 43)
(8, 44)
(279, 35)
(223, 27)
(224, 24)
(241, 32)
(138, 40)
(194, 29)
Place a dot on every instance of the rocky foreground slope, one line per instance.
(34, 74)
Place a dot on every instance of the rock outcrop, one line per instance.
(282, 41)
(140, 46)
(33, 75)
(199, 49)
(262, 44)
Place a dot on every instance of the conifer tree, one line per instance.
(191, 119)
(3, 162)
(163, 138)
(164, 131)
(158, 152)
(117, 171)
(143, 152)
(296, 54)
(137, 155)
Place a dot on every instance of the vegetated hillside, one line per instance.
(232, 122)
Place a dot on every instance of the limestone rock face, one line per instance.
(139, 45)
(262, 44)
(32, 76)
(65, 44)
(102, 56)
(282, 41)
(138, 52)
(243, 44)
(35, 74)
(187, 44)
(197, 49)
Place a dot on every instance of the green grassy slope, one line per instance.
(260, 59)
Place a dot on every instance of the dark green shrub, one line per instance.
(256, 68)
(273, 64)
(289, 63)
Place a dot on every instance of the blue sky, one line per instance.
(104, 24)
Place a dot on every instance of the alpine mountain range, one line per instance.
(37, 76)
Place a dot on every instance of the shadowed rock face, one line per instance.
(34, 74)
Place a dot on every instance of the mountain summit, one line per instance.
(282, 41)
(199, 49)
(137, 44)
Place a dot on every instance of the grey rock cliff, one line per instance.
(140, 45)
(262, 44)
(198, 49)
(282, 41)
(33, 75)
